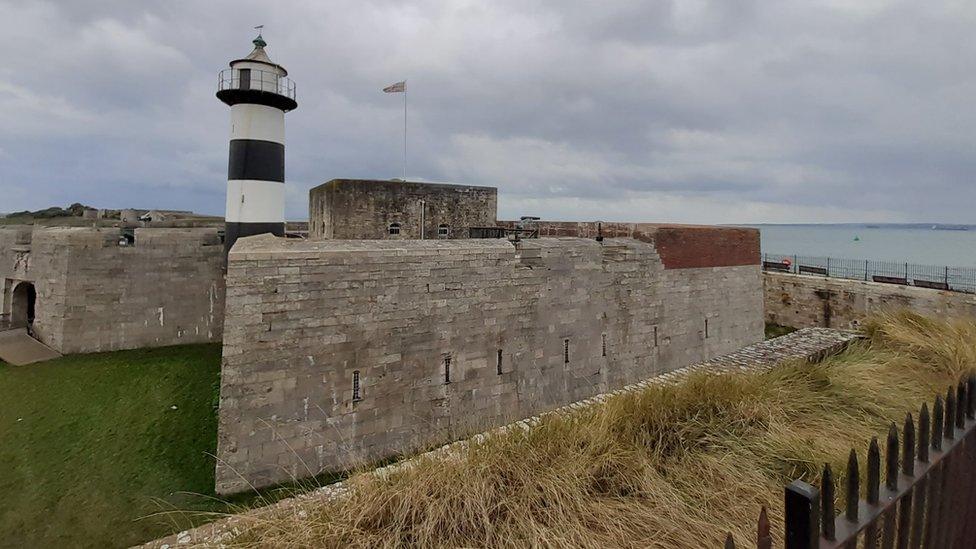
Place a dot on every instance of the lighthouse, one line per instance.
(259, 94)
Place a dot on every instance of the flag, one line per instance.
(396, 88)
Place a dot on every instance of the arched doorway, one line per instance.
(23, 302)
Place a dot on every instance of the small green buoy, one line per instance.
(857, 238)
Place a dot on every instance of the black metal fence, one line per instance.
(927, 498)
(956, 279)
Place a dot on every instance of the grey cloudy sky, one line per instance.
(691, 111)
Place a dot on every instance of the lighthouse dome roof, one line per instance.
(258, 55)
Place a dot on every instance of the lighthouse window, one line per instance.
(442, 231)
(394, 228)
(245, 79)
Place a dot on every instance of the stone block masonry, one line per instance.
(355, 208)
(801, 301)
(164, 287)
(340, 352)
(811, 344)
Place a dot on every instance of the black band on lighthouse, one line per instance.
(259, 160)
(235, 95)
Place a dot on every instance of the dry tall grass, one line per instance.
(675, 466)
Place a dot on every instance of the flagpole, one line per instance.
(404, 131)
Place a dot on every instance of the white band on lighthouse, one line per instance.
(249, 121)
(252, 201)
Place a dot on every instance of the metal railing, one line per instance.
(502, 232)
(956, 279)
(268, 81)
(922, 495)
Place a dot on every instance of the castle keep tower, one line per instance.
(259, 94)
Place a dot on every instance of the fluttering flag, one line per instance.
(399, 87)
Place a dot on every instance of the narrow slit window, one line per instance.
(565, 351)
(655, 336)
(706, 327)
(498, 363)
(604, 344)
(447, 369)
(356, 395)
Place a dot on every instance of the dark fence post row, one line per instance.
(929, 493)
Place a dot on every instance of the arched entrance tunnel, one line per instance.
(23, 302)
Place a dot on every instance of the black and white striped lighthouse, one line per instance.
(259, 94)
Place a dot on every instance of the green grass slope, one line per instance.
(92, 445)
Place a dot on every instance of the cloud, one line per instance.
(699, 110)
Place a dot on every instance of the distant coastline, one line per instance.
(936, 244)
(917, 226)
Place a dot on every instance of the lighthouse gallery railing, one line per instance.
(269, 81)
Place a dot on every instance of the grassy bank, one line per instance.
(90, 445)
(670, 467)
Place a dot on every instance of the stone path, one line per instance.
(811, 344)
(17, 347)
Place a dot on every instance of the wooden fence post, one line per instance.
(763, 539)
(802, 516)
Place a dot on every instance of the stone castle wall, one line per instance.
(38, 262)
(336, 352)
(802, 301)
(95, 295)
(364, 209)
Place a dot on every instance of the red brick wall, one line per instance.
(680, 246)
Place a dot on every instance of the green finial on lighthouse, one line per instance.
(259, 42)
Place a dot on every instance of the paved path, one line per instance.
(18, 348)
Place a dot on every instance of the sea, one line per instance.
(925, 244)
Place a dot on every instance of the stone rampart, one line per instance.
(801, 300)
(163, 287)
(338, 352)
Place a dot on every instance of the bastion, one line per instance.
(338, 352)
(82, 290)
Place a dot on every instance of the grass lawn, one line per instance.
(90, 445)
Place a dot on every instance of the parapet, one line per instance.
(107, 237)
(680, 246)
